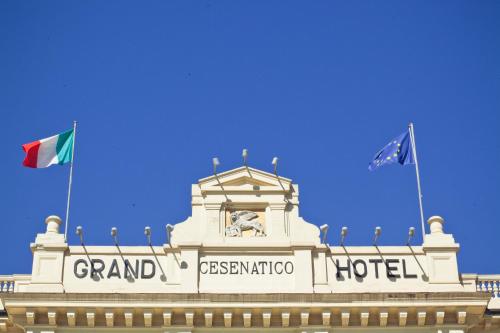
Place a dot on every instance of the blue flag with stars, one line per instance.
(399, 150)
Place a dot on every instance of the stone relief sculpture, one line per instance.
(242, 221)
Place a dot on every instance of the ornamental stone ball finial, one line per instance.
(53, 223)
(436, 224)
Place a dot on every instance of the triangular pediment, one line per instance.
(245, 178)
(246, 181)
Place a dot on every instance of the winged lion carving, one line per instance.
(242, 221)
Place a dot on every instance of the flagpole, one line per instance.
(414, 151)
(70, 181)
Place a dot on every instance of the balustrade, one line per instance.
(7, 283)
(489, 283)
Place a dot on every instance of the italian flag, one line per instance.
(57, 149)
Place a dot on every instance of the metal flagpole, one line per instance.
(414, 151)
(70, 181)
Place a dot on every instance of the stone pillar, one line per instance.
(214, 229)
(303, 270)
(48, 259)
(189, 267)
(320, 273)
(276, 222)
(441, 253)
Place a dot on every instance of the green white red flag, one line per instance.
(57, 149)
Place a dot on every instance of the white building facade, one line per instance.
(246, 261)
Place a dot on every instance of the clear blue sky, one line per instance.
(160, 87)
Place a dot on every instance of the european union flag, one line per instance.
(398, 150)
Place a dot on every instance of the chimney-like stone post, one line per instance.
(441, 252)
(48, 259)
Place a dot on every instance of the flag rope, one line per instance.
(70, 182)
(414, 151)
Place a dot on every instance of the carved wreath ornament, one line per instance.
(242, 221)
